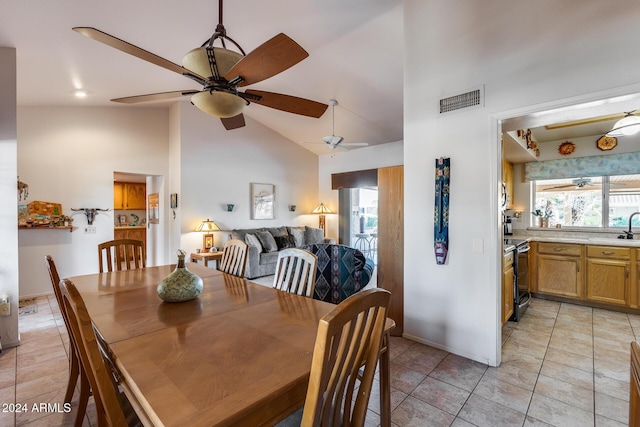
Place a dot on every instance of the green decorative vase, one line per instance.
(181, 284)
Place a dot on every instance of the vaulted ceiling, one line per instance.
(355, 56)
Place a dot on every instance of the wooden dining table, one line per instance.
(239, 354)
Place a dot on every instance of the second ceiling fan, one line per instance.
(222, 71)
(335, 141)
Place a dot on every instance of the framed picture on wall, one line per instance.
(153, 206)
(263, 198)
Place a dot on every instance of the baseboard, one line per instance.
(44, 294)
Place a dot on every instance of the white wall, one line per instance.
(217, 167)
(8, 196)
(375, 156)
(451, 47)
(68, 155)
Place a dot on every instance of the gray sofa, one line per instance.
(265, 243)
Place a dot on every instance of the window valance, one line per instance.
(612, 164)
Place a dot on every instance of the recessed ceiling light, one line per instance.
(79, 93)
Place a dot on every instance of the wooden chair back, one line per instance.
(347, 349)
(75, 367)
(121, 254)
(296, 271)
(108, 407)
(234, 257)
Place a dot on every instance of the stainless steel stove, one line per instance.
(521, 293)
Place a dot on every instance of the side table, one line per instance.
(362, 244)
(205, 257)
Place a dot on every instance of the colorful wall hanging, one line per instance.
(441, 218)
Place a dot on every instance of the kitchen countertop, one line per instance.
(126, 227)
(604, 241)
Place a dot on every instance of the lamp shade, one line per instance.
(322, 209)
(196, 60)
(629, 125)
(208, 226)
(219, 104)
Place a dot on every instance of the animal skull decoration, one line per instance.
(90, 213)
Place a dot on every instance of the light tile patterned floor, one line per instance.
(563, 365)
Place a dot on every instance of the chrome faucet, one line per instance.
(629, 233)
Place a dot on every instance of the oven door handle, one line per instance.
(523, 249)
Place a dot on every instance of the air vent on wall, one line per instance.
(473, 98)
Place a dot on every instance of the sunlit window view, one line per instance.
(602, 201)
(364, 221)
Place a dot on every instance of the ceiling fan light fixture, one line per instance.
(333, 139)
(219, 104)
(196, 60)
(628, 125)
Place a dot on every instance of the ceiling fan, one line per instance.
(579, 183)
(335, 141)
(627, 123)
(222, 71)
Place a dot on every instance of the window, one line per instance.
(601, 201)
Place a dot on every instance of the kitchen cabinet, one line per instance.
(559, 269)
(507, 180)
(608, 274)
(134, 233)
(129, 196)
(507, 286)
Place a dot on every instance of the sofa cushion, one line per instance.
(252, 240)
(267, 241)
(313, 236)
(284, 242)
(277, 231)
(242, 232)
(298, 235)
(269, 258)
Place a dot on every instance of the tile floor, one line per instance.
(562, 365)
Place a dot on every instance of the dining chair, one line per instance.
(76, 370)
(346, 352)
(121, 254)
(111, 405)
(234, 257)
(295, 271)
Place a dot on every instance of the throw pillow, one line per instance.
(285, 242)
(267, 241)
(298, 235)
(277, 231)
(252, 240)
(313, 236)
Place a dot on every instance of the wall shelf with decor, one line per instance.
(46, 227)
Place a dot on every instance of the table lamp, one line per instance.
(207, 239)
(322, 210)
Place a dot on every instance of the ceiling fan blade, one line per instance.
(288, 103)
(154, 96)
(588, 121)
(270, 58)
(559, 186)
(234, 122)
(136, 51)
(354, 144)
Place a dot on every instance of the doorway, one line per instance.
(363, 223)
(133, 217)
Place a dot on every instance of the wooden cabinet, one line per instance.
(559, 270)
(507, 180)
(507, 286)
(135, 233)
(391, 241)
(129, 196)
(608, 274)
